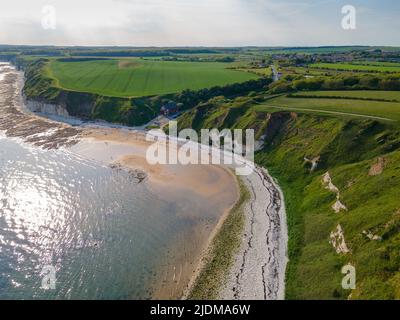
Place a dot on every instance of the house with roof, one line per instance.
(170, 108)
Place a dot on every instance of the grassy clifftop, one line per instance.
(140, 78)
(41, 86)
(362, 157)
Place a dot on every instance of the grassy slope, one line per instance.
(361, 94)
(348, 148)
(128, 78)
(224, 113)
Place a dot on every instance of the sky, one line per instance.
(197, 22)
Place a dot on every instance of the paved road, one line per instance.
(275, 74)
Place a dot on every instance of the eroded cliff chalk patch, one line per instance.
(338, 242)
(338, 206)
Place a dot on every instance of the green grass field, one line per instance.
(357, 67)
(137, 78)
(360, 108)
(264, 72)
(359, 94)
(377, 63)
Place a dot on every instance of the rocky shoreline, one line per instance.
(259, 266)
(18, 123)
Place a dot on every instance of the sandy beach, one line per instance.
(212, 183)
(128, 148)
(259, 266)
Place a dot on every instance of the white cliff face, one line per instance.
(46, 108)
(338, 205)
(338, 242)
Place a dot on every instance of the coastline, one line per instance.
(199, 287)
(260, 264)
(256, 259)
(122, 149)
(172, 179)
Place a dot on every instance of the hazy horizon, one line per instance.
(201, 46)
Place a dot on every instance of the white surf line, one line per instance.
(331, 112)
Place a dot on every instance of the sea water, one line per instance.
(104, 234)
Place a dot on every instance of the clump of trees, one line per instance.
(191, 98)
(226, 59)
(343, 82)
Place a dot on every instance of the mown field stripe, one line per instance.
(128, 82)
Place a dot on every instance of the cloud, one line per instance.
(198, 22)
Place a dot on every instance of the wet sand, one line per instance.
(211, 183)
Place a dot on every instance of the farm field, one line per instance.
(138, 77)
(342, 107)
(377, 63)
(265, 72)
(361, 94)
(311, 72)
(356, 67)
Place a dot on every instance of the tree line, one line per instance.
(343, 82)
(191, 98)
